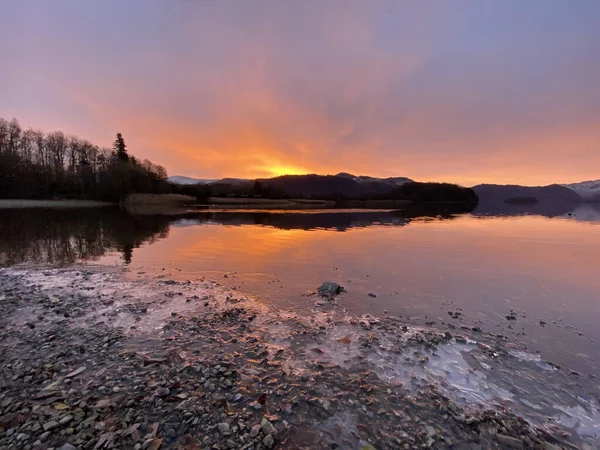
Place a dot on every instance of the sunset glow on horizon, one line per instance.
(465, 91)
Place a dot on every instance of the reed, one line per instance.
(158, 199)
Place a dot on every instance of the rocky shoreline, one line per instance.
(94, 360)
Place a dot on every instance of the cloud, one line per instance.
(466, 91)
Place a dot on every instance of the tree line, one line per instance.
(38, 165)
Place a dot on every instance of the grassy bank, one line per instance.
(20, 203)
(157, 200)
(235, 201)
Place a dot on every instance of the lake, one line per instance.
(532, 278)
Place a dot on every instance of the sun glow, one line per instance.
(283, 169)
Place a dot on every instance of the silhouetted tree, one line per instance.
(120, 148)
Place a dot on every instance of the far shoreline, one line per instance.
(26, 203)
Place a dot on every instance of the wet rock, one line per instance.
(330, 288)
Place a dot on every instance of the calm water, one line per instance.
(481, 264)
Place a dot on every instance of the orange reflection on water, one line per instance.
(526, 246)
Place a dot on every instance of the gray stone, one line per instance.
(67, 447)
(50, 425)
(65, 420)
(224, 428)
(268, 441)
(509, 441)
(549, 446)
(330, 288)
(267, 427)
(255, 430)
(44, 436)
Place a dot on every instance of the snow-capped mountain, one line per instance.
(178, 179)
(361, 179)
(398, 181)
(586, 189)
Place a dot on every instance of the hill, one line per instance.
(496, 193)
(185, 181)
(589, 190)
(342, 185)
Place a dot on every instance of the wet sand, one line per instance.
(94, 359)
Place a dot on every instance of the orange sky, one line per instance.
(501, 92)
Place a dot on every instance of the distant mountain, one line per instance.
(396, 181)
(496, 193)
(328, 186)
(178, 179)
(342, 184)
(586, 189)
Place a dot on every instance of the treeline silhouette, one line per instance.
(38, 165)
(433, 193)
(341, 189)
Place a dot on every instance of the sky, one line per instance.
(464, 91)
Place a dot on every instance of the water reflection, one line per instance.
(579, 211)
(64, 236)
(418, 263)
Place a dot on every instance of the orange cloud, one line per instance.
(255, 89)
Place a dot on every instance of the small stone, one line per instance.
(268, 441)
(75, 372)
(44, 436)
(330, 288)
(255, 430)
(67, 447)
(549, 446)
(224, 428)
(267, 427)
(22, 437)
(65, 420)
(509, 441)
(50, 425)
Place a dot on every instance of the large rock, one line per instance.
(330, 288)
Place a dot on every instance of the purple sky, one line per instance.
(467, 90)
